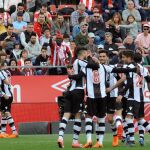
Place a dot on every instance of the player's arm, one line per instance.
(76, 76)
(147, 78)
(124, 70)
(3, 94)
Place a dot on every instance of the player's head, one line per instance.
(137, 58)
(103, 56)
(127, 56)
(82, 52)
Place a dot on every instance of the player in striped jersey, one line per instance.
(74, 101)
(6, 101)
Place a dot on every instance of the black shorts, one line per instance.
(132, 108)
(74, 102)
(96, 107)
(6, 104)
(124, 103)
(111, 105)
(141, 112)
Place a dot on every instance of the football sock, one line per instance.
(88, 129)
(101, 122)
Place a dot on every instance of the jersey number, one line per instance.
(96, 78)
(139, 81)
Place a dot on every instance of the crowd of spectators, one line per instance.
(36, 36)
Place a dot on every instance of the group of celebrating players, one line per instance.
(111, 90)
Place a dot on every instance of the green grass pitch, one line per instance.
(48, 142)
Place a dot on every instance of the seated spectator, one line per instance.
(25, 36)
(33, 47)
(6, 17)
(144, 8)
(118, 33)
(3, 57)
(43, 10)
(20, 8)
(109, 7)
(60, 26)
(97, 26)
(143, 40)
(14, 71)
(19, 25)
(16, 51)
(23, 56)
(42, 60)
(78, 13)
(129, 43)
(45, 38)
(28, 70)
(131, 26)
(91, 46)
(40, 25)
(131, 11)
(2, 27)
(82, 38)
(111, 47)
(76, 28)
(60, 54)
(9, 35)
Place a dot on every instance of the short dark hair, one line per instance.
(81, 19)
(80, 49)
(10, 25)
(32, 34)
(104, 51)
(13, 59)
(128, 53)
(44, 5)
(20, 4)
(44, 48)
(28, 59)
(137, 57)
(59, 14)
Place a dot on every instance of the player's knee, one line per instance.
(110, 119)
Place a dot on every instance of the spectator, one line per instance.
(2, 27)
(73, 50)
(131, 26)
(76, 28)
(42, 60)
(59, 52)
(60, 26)
(23, 56)
(118, 33)
(144, 8)
(20, 8)
(109, 7)
(143, 40)
(33, 47)
(97, 26)
(131, 11)
(44, 11)
(6, 17)
(28, 70)
(91, 46)
(19, 25)
(9, 35)
(16, 51)
(82, 38)
(13, 70)
(45, 38)
(40, 25)
(25, 36)
(78, 13)
(3, 57)
(129, 43)
(111, 47)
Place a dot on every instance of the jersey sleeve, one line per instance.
(3, 75)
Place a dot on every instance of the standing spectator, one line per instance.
(2, 27)
(91, 46)
(33, 47)
(60, 26)
(59, 52)
(97, 26)
(42, 60)
(43, 10)
(29, 71)
(143, 39)
(45, 38)
(109, 7)
(144, 8)
(14, 71)
(25, 36)
(82, 38)
(131, 11)
(20, 8)
(78, 13)
(40, 25)
(6, 17)
(19, 25)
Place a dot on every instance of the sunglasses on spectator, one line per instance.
(96, 16)
(146, 29)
